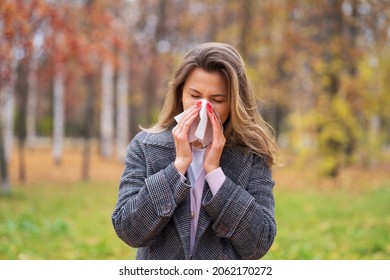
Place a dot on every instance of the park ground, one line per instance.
(56, 215)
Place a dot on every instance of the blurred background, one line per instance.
(78, 77)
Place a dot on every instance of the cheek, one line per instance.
(186, 105)
(223, 112)
(187, 102)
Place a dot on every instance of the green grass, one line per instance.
(60, 222)
(74, 222)
(334, 225)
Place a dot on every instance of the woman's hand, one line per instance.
(180, 136)
(214, 149)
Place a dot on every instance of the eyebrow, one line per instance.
(213, 95)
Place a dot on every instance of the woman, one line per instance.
(180, 200)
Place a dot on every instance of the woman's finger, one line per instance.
(190, 115)
(215, 148)
(214, 118)
(188, 122)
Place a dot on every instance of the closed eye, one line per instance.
(219, 100)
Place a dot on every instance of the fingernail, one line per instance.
(198, 103)
(209, 108)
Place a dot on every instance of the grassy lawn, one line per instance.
(69, 221)
(332, 225)
(54, 216)
(72, 221)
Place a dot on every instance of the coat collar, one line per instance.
(163, 138)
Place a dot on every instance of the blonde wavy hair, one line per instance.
(244, 126)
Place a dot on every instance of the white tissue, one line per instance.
(201, 129)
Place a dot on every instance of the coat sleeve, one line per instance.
(245, 214)
(145, 204)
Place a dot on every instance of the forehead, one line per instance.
(200, 79)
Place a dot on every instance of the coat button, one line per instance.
(166, 208)
(222, 230)
(192, 214)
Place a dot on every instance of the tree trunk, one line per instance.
(151, 81)
(4, 184)
(7, 108)
(246, 24)
(32, 103)
(330, 146)
(21, 94)
(88, 125)
(107, 113)
(58, 112)
(374, 140)
(4, 181)
(351, 39)
(8, 119)
(122, 135)
(333, 31)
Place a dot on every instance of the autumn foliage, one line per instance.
(320, 68)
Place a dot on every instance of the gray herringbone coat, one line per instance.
(153, 208)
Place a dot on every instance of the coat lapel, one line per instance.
(229, 155)
(204, 219)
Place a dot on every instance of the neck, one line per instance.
(197, 145)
